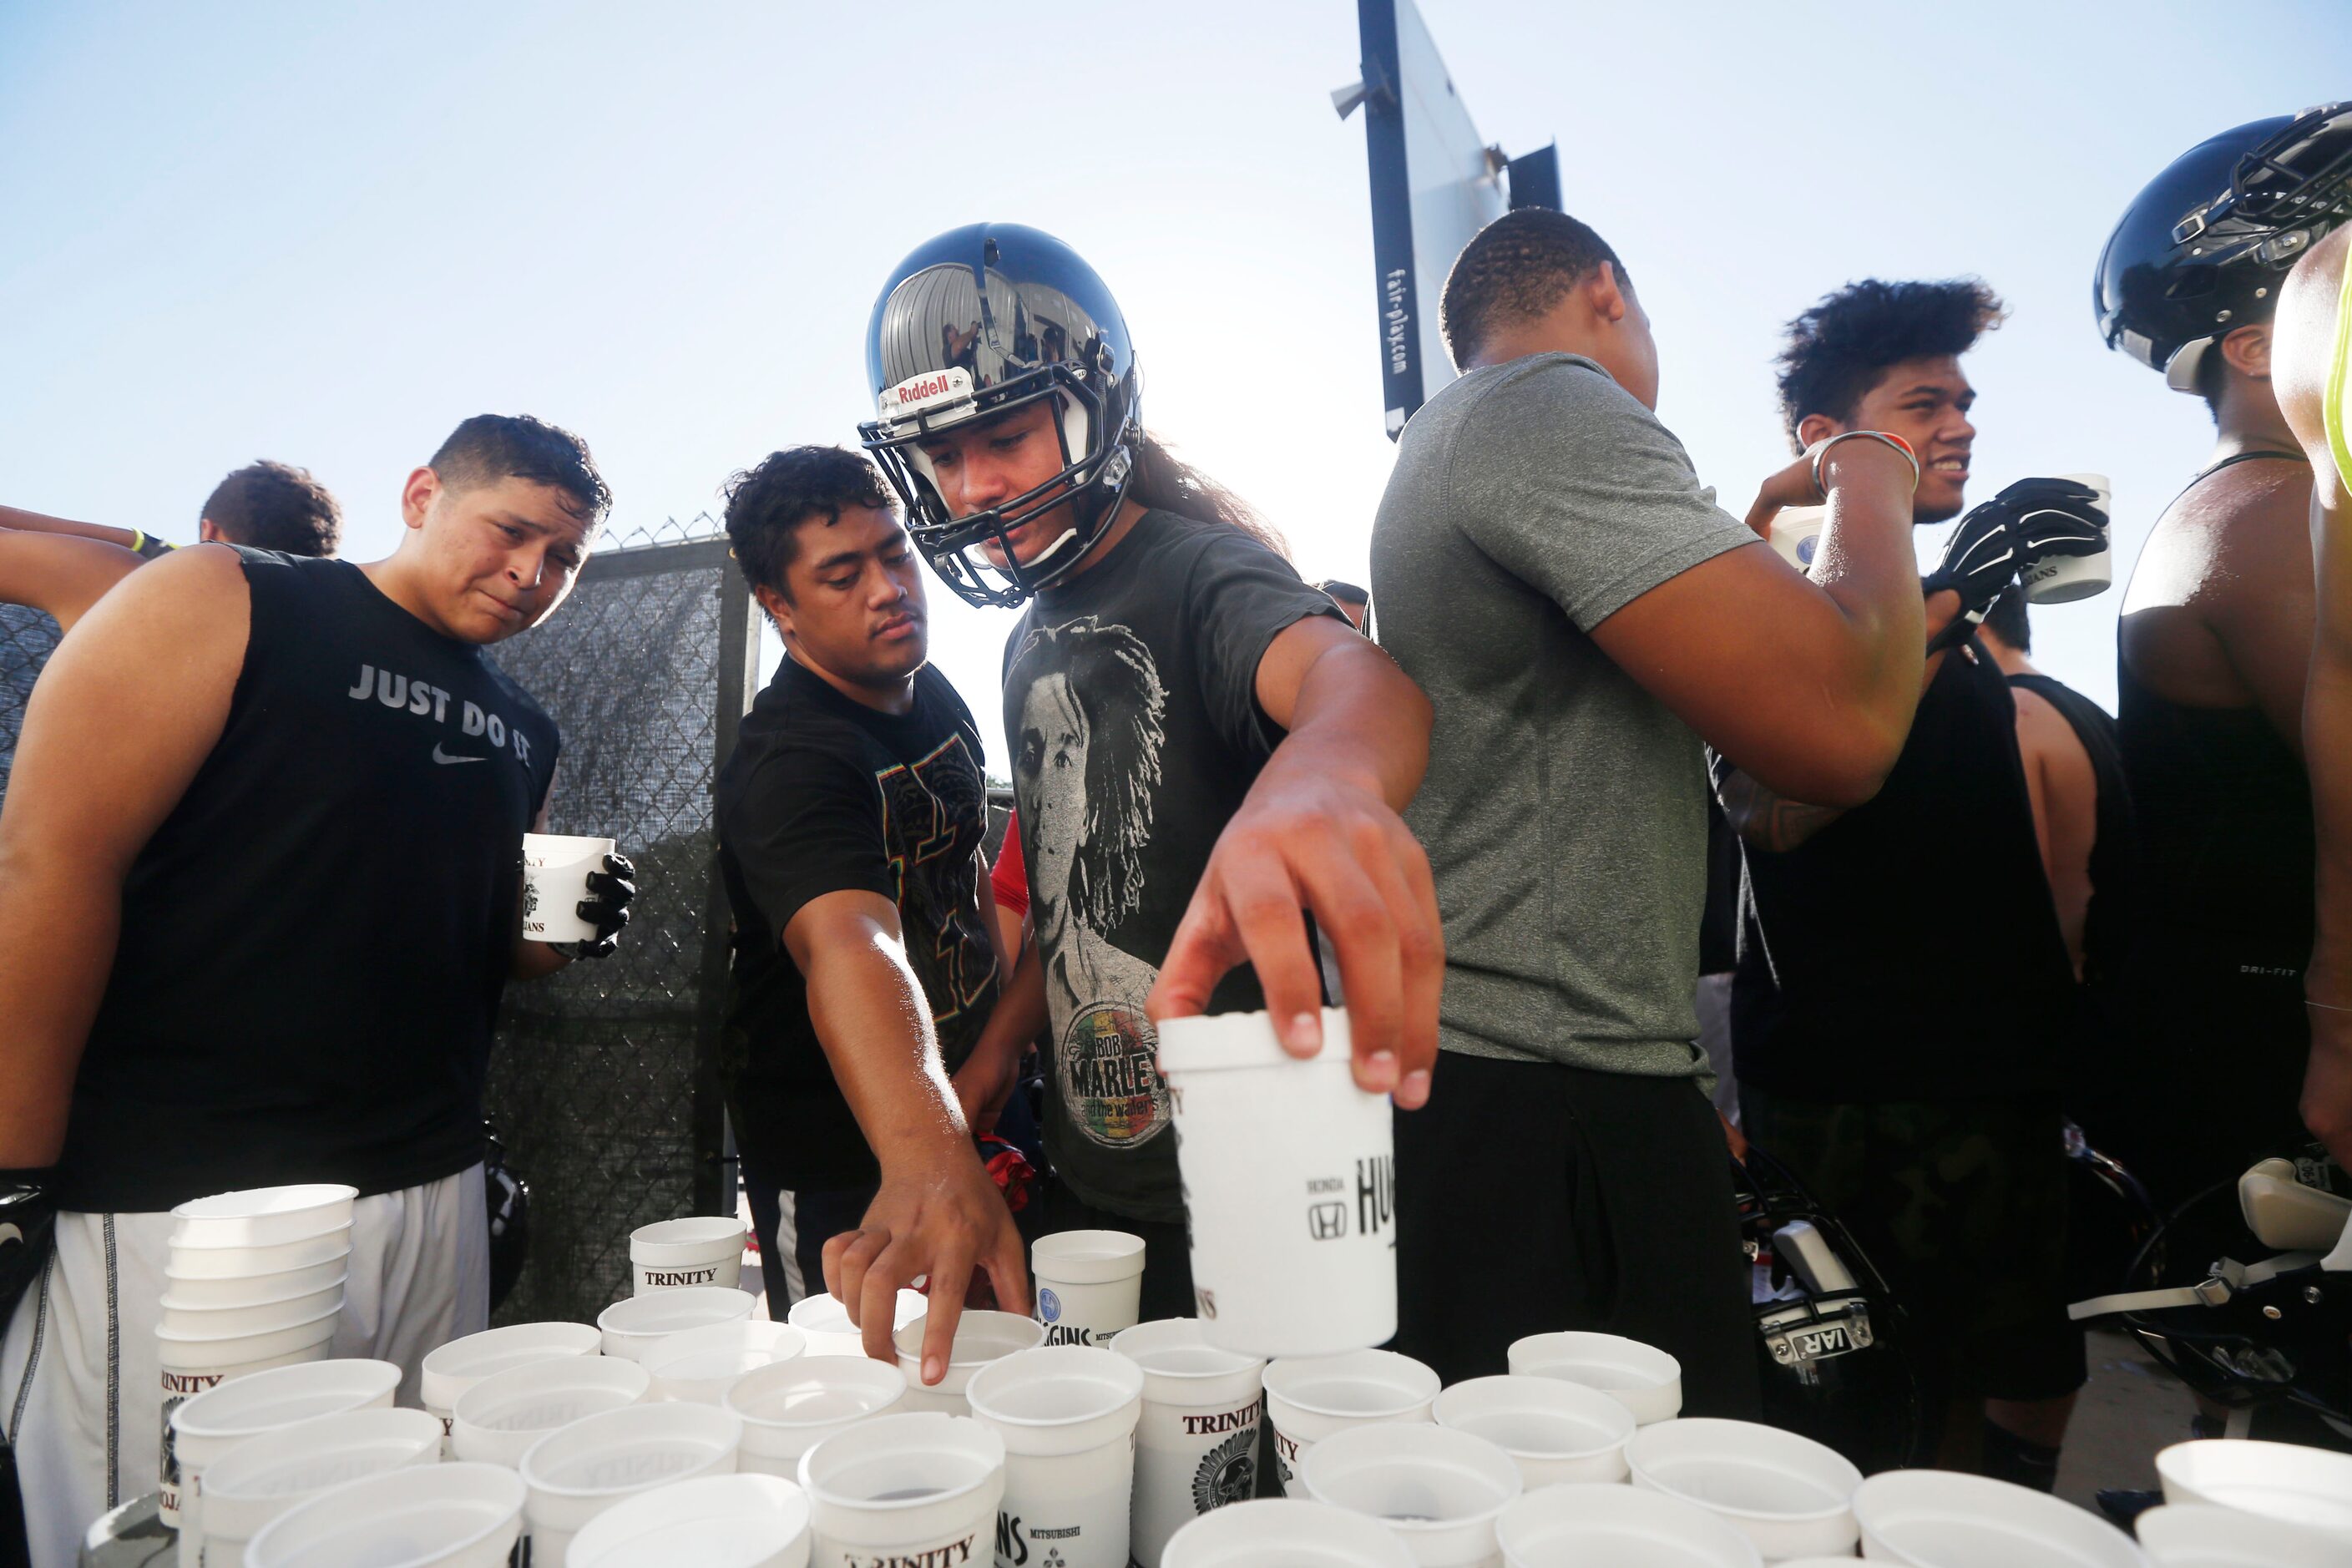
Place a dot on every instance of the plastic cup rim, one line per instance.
(820, 1493)
(1130, 1400)
(1651, 1478)
(953, 1360)
(176, 1337)
(556, 1489)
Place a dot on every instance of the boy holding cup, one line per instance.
(262, 851)
(1907, 1077)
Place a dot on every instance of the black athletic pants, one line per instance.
(1533, 1197)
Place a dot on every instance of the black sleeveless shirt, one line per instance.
(2114, 849)
(314, 941)
(1909, 951)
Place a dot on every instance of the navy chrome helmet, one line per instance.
(2203, 251)
(980, 321)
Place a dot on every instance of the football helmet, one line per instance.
(980, 321)
(2275, 1330)
(1829, 1334)
(2202, 249)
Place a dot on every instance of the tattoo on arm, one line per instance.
(1768, 821)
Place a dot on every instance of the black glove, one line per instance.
(2058, 518)
(1985, 553)
(606, 908)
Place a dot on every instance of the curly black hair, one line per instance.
(1514, 269)
(1838, 349)
(767, 503)
(275, 506)
(493, 446)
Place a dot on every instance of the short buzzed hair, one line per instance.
(490, 447)
(2006, 620)
(1840, 347)
(275, 506)
(1516, 270)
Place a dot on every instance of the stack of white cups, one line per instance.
(208, 1426)
(254, 1279)
(1066, 1415)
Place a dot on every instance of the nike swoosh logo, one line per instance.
(439, 757)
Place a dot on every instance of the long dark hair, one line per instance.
(1165, 482)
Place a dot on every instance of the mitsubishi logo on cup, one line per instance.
(1328, 1222)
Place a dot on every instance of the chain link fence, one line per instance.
(603, 1084)
(27, 638)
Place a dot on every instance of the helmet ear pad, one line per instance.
(2180, 372)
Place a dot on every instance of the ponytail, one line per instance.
(1165, 482)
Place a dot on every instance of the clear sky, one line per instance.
(327, 233)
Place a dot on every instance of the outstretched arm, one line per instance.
(21, 521)
(127, 710)
(1319, 831)
(938, 1212)
(59, 573)
(1806, 682)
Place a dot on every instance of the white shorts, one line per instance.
(80, 1386)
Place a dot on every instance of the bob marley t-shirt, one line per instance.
(1131, 707)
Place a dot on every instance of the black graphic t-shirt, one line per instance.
(314, 941)
(1130, 705)
(825, 796)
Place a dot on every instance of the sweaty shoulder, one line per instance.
(198, 593)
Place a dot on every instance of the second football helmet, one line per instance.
(2202, 249)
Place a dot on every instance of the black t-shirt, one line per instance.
(823, 794)
(1909, 951)
(314, 941)
(1130, 704)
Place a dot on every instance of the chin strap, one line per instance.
(2228, 1278)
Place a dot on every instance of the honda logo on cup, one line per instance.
(1328, 1222)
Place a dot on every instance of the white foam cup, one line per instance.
(1196, 1442)
(1952, 1521)
(1308, 1398)
(826, 1322)
(2058, 580)
(426, 1516)
(1797, 533)
(1791, 1496)
(1066, 1415)
(457, 1365)
(1587, 1525)
(263, 1216)
(205, 1290)
(918, 1487)
(632, 1326)
(1554, 1430)
(715, 1521)
(258, 1480)
(979, 1338)
(191, 1260)
(701, 1364)
(578, 1471)
(2279, 1480)
(1439, 1491)
(203, 1320)
(2202, 1535)
(702, 1250)
(498, 1420)
(200, 1425)
(555, 870)
(1289, 1174)
(1642, 1378)
(1089, 1284)
(1285, 1533)
(791, 1407)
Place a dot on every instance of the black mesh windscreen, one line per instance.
(601, 1084)
(26, 639)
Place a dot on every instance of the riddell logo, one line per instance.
(921, 387)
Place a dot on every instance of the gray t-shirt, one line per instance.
(1564, 812)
